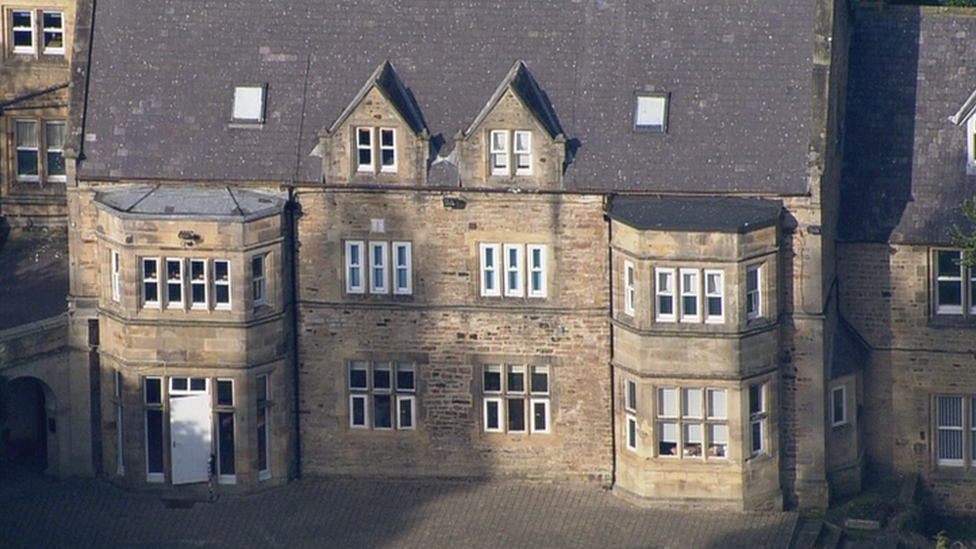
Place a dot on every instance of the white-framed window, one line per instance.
(198, 284)
(152, 390)
(378, 272)
(499, 153)
(52, 23)
(388, 160)
(116, 277)
(838, 406)
(248, 104)
(150, 282)
(753, 291)
(54, 151)
(364, 150)
(224, 414)
(28, 147)
(259, 287)
(692, 423)
(950, 291)
(631, 426)
(490, 286)
(402, 268)
(174, 283)
(537, 270)
(354, 267)
(262, 393)
(523, 153)
(949, 430)
(651, 113)
(714, 296)
(630, 396)
(513, 270)
(690, 290)
(758, 417)
(516, 399)
(629, 288)
(664, 295)
(221, 280)
(382, 395)
(22, 31)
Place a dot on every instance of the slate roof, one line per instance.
(850, 352)
(739, 73)
(722, 214)
(188, 202)
(904, 173)
(33, 276)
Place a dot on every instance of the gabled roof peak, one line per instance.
(966, 111)
(520, 80)
(387, 81)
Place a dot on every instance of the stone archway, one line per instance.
(28, 435)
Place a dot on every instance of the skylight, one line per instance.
(249, 104)
(651, 114)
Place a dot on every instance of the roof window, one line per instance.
(651, 114)
(249, 104)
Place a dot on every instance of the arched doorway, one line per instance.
(28, 433)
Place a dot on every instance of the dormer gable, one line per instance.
(379, 138)
(515, 140)
(965, 117)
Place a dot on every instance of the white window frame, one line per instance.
(48, 149)
(249, 104)
(172, 303)
(259, 284)
(367, 394)
(957, 280)
(354, 267)
(53, 50)
(754, 296)
(759, 417)
(661, 294)
(533, 402)
(529, 397)
(379, 272)
(655, 105)
(412, 399)
(534, 268)
(940, 429)
(358, 393)
(713, 295)
(496, 401)
(35, 149)
(21, 29)
(629, 295)
(498, 157)
(405, 267)
(630, 395)
(842, 420)
(116, 277)
(631, 433)
(513, 268)
(194, 283)
(687, 291)
(218, 283)
(218, 408)
(493, 269)
(522, 153)
(360, 166)
(156, 303)
(392, 168)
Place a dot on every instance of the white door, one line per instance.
(191, 426)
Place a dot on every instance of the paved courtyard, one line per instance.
(41, 513)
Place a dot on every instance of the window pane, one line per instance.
(950, 412)
(491, 415)
(382, 416)
(222, 294)
(756, 399)
(756, 437)
(179, 383)
(154, 441)
(667, 401)
(154, 390)
(948, 263)
(493, 379)
(225, 392)
(404, 377)
(718, 440)
(406, 413)
(225, 437)
(27, 163)
(27, 134)
(838, 402)
(262, 389)
(950, 293)
(359, 411)
(381, 376)
(516, 379)
(692, 403)
(693, 440)
(540, 379)
(540, 416)
(717, 404)
(262, 425)
(631, 432)
(357, 375)
(55, 135)
(516, 414)
(198, 384)
(650, 113)
(668, 439)
(248, 103)
(631, 395)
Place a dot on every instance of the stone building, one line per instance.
(585, 241)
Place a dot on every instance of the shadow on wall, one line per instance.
(26, 430)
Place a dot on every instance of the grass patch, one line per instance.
(877, 502)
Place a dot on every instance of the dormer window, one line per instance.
(248, 105)
(502, 157)
(367, 148)
(651, 114)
